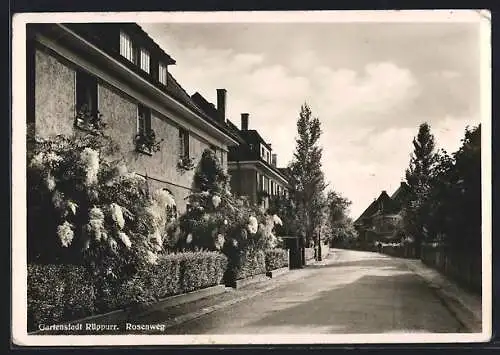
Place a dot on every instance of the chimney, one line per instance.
(221, 104)
(244, 121)
(274, 160)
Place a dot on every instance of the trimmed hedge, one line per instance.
(276, 258)
(60, 293)
(251, 264)
(173, 274)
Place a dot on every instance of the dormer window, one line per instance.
(127, 48)
(145, 60)
(162, 73)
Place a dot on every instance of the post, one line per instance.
(319, 246)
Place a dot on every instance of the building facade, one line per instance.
(115, 71)
(253, 167)
(381, 219)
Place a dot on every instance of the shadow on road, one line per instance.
(373, 304)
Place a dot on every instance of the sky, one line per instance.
(370, 84)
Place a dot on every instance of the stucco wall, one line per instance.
(54, 96)
(120, 115)
(55, 101)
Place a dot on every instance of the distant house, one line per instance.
(380, 219)
(117, 70)
(254, 168)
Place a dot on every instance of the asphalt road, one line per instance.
(358, 293)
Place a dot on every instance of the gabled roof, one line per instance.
(384, 202)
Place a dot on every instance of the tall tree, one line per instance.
(308, 182)
(340, 225)
(418, 177)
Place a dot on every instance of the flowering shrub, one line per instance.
(101, 214)
(217, 220)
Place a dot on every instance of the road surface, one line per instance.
(359, 292)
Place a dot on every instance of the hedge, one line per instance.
(251, 263)
(172, 275)
(276, 258)
(59, 293)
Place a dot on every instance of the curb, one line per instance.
(277, 272)
(251, 280)
(182, 298)
(460, 309)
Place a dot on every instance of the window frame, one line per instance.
(184, 151)
(162, 71)
(129, 53)
(143, 65)
(86, 82)
(147, 119)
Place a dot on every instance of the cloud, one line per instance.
(369, 112)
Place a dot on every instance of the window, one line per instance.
(262, 151)
(267, 157)
(222, 157)
(143, 119)
(86, 93)
(145, 60)
(183, 143)
(162, 73)
(127, 48)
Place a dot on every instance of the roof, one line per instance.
(209, 112)
(384, 202)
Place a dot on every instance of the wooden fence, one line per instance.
(464, 268)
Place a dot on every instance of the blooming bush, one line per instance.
(100, 214)
(216, 220)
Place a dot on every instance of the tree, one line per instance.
(340, 225)
(307, 179)
(455, 194)
(418, 177)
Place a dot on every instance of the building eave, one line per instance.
(254, 164)
(141, 83)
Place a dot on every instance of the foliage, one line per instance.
(307, 179)
(172, 274)
(276, 258)
(340, 225)
(418, 177)
(216, 220)
(251, 263)
(58, 293)
(146, 141)
(88, 120)
(455, 195)
(91, 210)
(287, 210)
